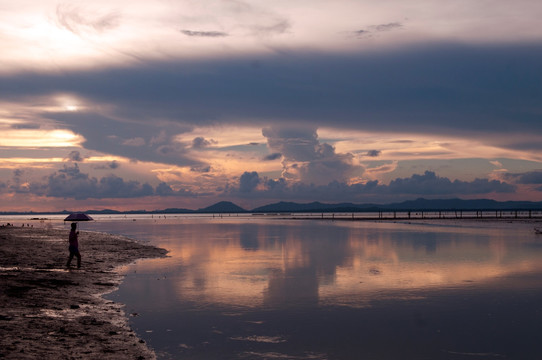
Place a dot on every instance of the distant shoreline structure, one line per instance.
(413, 206)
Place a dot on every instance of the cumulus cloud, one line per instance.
(431, 184)
(70, 182)
(305, 158)
(248, 182)
(201, 143)
(427, 184)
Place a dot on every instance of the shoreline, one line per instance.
(50, 312)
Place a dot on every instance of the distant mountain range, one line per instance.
(293, 207)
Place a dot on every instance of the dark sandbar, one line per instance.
(50, 312)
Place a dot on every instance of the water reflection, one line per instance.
(230, 284)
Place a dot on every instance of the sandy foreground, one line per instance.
(50, 312)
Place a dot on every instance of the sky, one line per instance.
(139, 105)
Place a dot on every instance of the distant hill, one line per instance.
(420, 204)
(174, 211)
(314, 207)
(459, 204)
(222, 207)
(410, 205)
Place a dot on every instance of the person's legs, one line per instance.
(78, 259)
(70, 259)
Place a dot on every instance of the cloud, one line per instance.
(113, 165)
(201, 143)
(305, 158)
(427, 184)
(375, 29)
(280, 26)
(386, 27)
(295, 143)
(164, 189)
(248, 182)
(75, 156)
(201, 169)
(273, 156)
(143, 141)
(80, 20)
(529, 178)
(70, 182)
(489, 94)
(431, 184)
(496, 163)
(393, 91)
(138, 141)
(373, 153)
(212, 34)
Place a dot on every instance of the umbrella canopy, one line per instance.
(78, 217)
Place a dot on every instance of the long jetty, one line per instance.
(417, 215)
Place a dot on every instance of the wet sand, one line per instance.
(50, 312)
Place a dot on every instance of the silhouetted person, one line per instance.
(74, 246)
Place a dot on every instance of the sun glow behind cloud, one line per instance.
(79, 34)
(37, 138)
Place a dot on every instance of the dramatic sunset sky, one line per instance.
(175, 103)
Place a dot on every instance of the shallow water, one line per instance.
(244, 288)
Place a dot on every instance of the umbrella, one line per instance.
(78, 217)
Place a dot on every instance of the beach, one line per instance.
(50, 312)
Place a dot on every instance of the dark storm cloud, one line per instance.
(490, 93)
(204, 33)
(144, 141)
